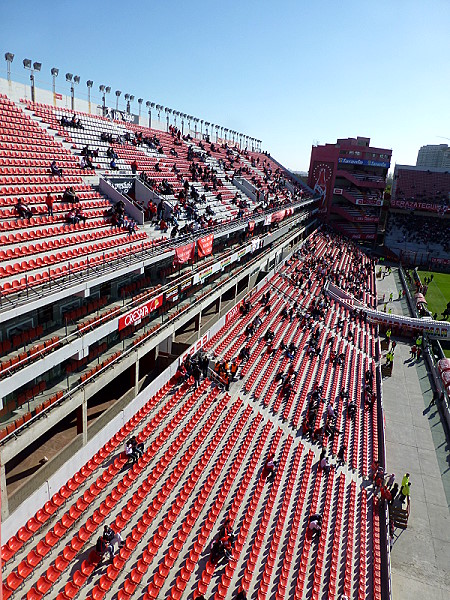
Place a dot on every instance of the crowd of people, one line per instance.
(421, 230)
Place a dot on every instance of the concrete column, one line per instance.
(136, 378)
(82, 422)
(4, 494)
(235, 292)
(219, 304)
(199, 324)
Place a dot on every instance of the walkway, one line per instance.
(416, 443)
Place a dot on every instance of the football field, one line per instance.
(438, 291)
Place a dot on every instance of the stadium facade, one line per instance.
(350, 176)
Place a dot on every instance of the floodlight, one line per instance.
(89, 83)
(69, 76)
(9, 57)
(54, 72)
(27, 63)
(37, 66)
(76, 79)
(107, 89)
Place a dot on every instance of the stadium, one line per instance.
(211, 367)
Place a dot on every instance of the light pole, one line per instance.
(118, 92)
(89, 84)
(140, 101)
(150, 105)
(104, 90)
(35, 67)
(9, 58)
(168, 112)
(54, 71)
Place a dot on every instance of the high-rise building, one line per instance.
(350, 177)
(433, 156)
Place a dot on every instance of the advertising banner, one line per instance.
(413, 205)
(205, 245)
(360, 161)
(184, 253)
(233, 312)
(135, 316)
(186, 284)
(278, 216)
(172, 294)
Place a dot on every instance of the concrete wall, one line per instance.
(131, 210)
(18, 90)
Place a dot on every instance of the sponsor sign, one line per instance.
(58, 96)
(441, 262)
(233, 312)
(121, 184)
(184, 253)
(195, 347)
(360, 161)
(240, 253)
(278, 216)
(135, 316)
(120, 115)
(369, 201)
(186, 284)
(226, 261)
(172, 294)
(413, 205)
(337, 191)
(205, 245)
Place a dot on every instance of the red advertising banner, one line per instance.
(278, 216)
(184, 253)
(233, 312)
(204, 245)
(135, 316)
(251, 225)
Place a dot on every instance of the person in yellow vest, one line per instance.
(405, 488)
(388, 335)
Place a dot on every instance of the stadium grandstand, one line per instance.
(196, 363)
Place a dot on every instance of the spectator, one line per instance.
(23, 211)
(111, 537)
(70, 196)
(49, 204)
(102, 546)
(324, 465)
(269, 467)
(55, 170)
(315, 524)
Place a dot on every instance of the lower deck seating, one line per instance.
(203, 462)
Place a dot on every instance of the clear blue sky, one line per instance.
(289, 72)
